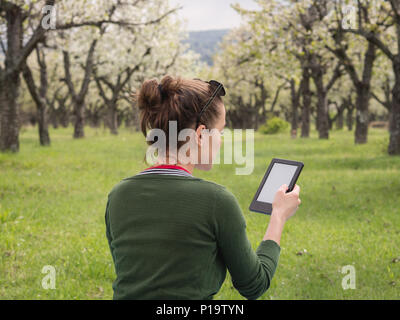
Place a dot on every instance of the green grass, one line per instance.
(52, 202)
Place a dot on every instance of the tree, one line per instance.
(39, 94)
(379, 23)
(19, 46)
(306, 95)
(78, 97)
(382, 85)
(359, 73)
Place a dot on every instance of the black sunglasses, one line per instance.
(219, 91)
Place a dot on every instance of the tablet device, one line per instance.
(279, 172)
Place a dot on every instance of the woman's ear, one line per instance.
(199, 134)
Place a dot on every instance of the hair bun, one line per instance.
(152, 93)
(170, 86)
(148, 96)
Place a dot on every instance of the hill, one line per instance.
(206, 43)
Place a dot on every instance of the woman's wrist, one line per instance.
(275, 228)
(276, 215)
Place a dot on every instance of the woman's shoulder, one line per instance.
(195, 184)
(222, 193)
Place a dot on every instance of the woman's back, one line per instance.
(172, 236)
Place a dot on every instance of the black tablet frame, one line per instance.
(265, 207)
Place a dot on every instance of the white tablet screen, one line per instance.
(279, 175)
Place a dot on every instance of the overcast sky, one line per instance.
(211, 14)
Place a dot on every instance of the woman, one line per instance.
(173, 235)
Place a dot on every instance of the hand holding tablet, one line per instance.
(285, 204)
(280, 172)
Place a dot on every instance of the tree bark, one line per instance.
(362, 114)
(340, 116)
(349, 117)
(62, 111)
(322, 105)
(39, 97)
(9, 113)
(79, 113)
(306, 94)
(295, 98)
(394, 125)
(44, 137)
(10, 81)
(113, 120)
(53, 116)
(331, 120)
(340, 121)
(261, 103)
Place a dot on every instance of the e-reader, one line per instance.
(279, 172)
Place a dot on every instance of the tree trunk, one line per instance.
(128, 119)
(136, 122)
(323, 123)
(295, 97)
(322, 105)
(331, 120)
(363, 89)
(322, 114)
(9, 113)
(63, 112)
(79, 120)
(53, 117)
(44, 137)
(394, 125)
(340, 118)
(306, 94)
(113, 119)
(349, 118)
(362, 116)
(10, 82)
(64, 120)
(39, 97)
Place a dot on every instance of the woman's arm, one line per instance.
(251, 271)
(275, 228)
(284, 206)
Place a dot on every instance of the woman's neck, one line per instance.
(189, 167)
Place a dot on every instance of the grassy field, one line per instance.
(52, 203)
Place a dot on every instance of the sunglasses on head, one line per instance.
(219, 91)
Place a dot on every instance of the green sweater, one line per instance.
(173, 237)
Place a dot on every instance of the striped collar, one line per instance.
(167, 170)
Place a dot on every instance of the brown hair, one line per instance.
(175, 99)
